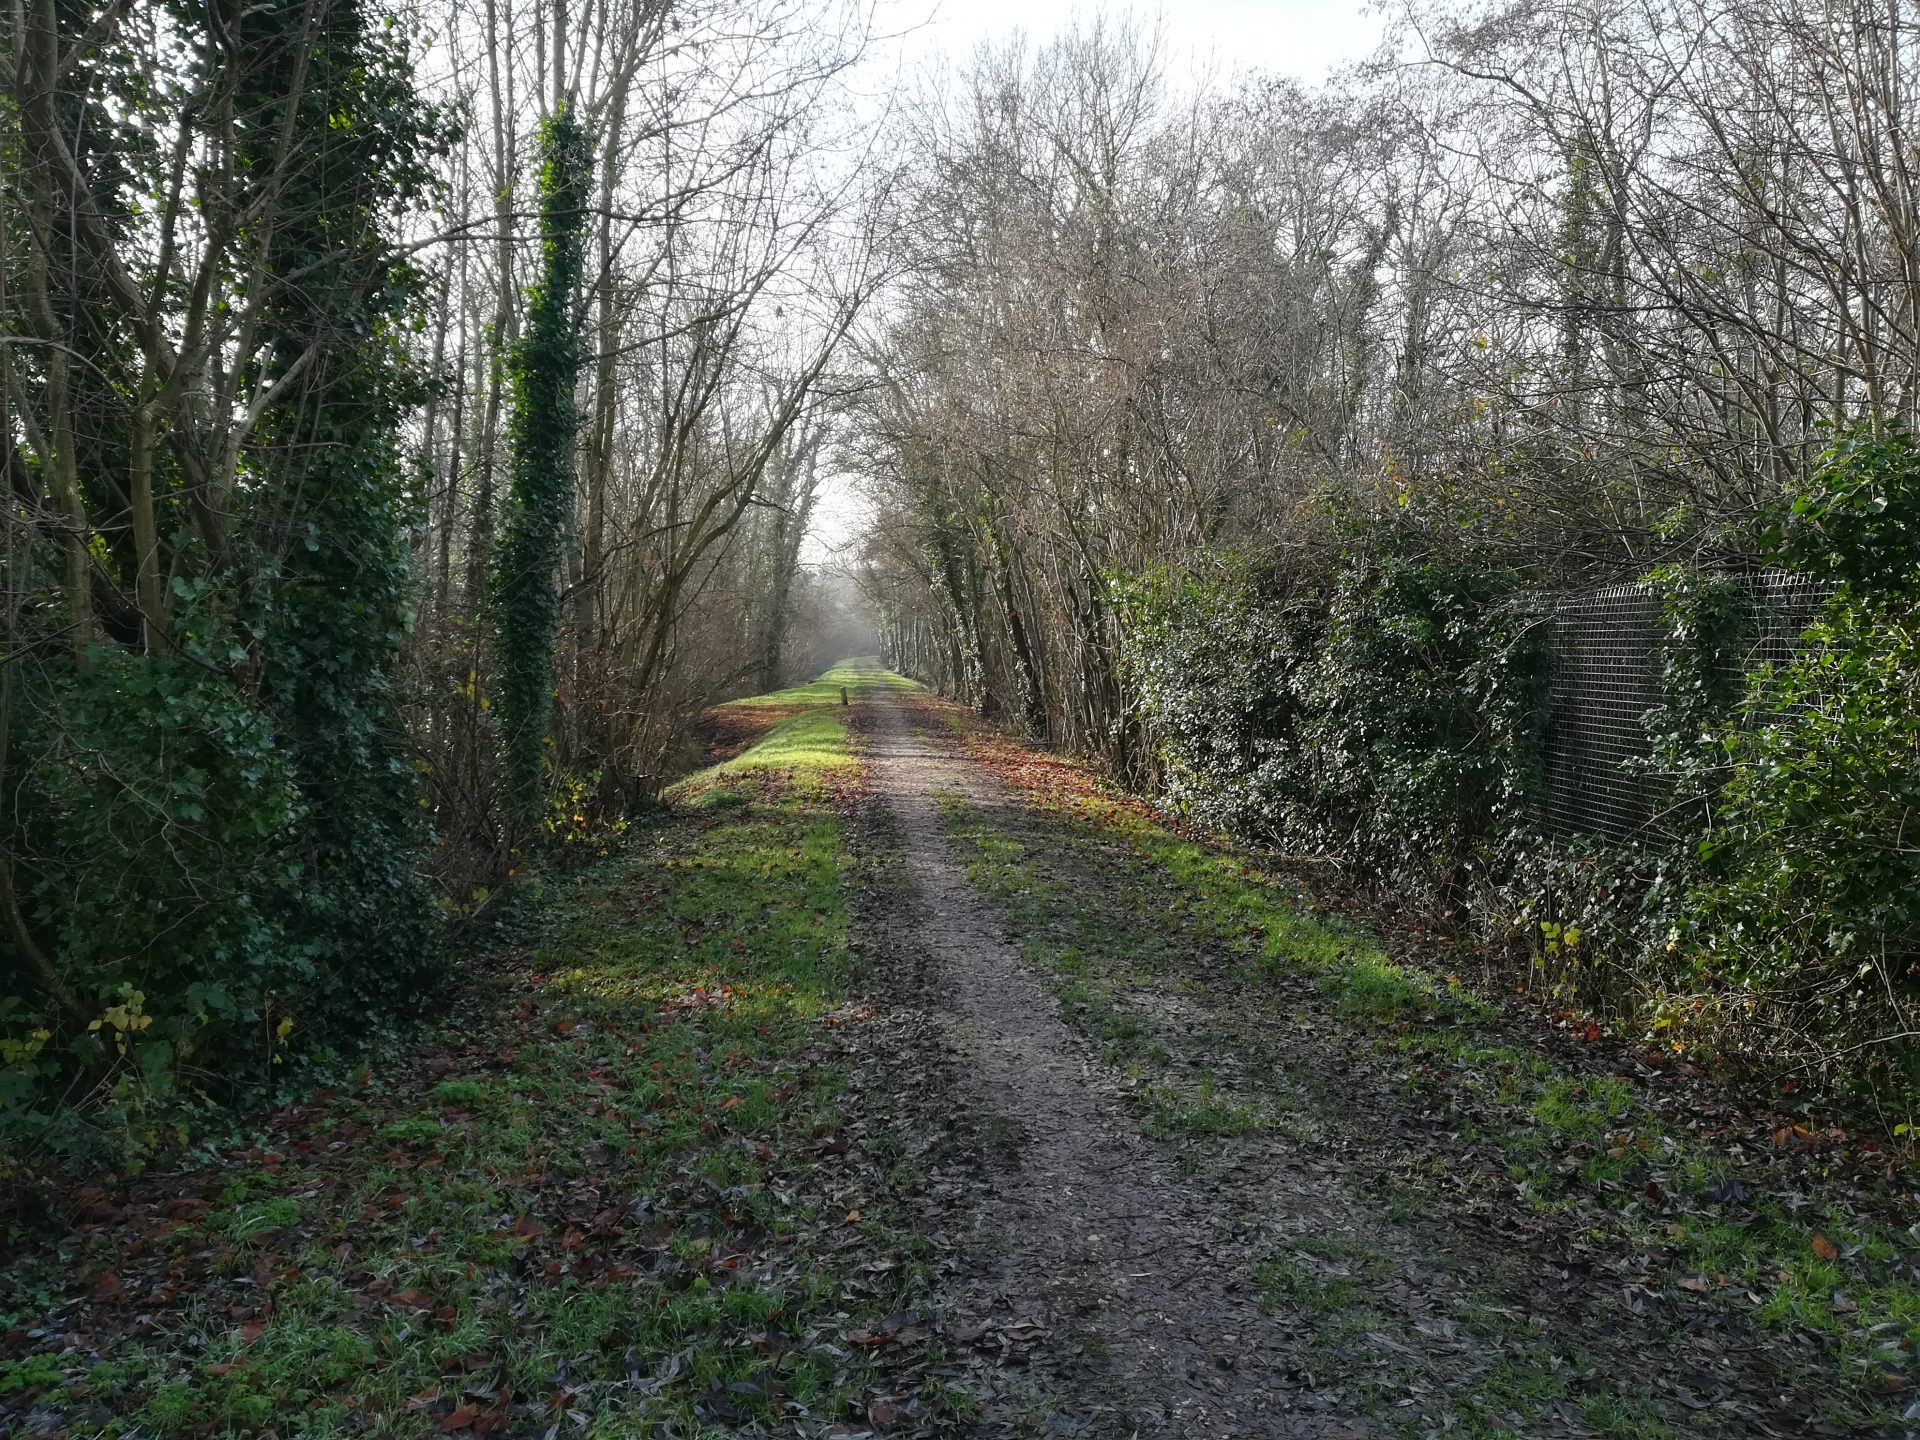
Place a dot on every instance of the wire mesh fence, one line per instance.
(1606, 650)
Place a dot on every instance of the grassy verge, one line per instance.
(611, 1193)
(1213, 986)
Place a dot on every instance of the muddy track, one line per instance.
(1082, 1229)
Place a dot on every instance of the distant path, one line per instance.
(1085, 1217)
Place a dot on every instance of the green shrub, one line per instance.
(154, 825)
(1812, 892)
(1385, 714)
(208, 818)
(1218, 662)
(1421, 711)
(1384, 709)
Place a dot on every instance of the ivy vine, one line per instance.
(543, 370)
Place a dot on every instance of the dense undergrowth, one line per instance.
(1387, 710)
(607, 1190)
(209, 828)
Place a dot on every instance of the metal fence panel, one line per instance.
(1605, 649)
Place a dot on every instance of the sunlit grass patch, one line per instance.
(861, 677)
(1259, 918)
(1255, 915)
(806, 747)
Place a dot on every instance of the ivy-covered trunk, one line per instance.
(326, 496)
(544, 370)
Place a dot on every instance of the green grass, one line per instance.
(466, 1093)
(1200, 1109)
(36, 1372)
(807, 747)
(862, 677)
(264, 1217)
(1275, 934)
(1320, 1273)
(1285, 1281)
(1584, 1108)
(620, 1178)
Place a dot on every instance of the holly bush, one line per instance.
(1383, 713)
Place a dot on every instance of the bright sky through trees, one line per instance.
(1302, 39)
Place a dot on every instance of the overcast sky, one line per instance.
(1301, 38)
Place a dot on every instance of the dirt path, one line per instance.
(1085, 1226)
(1179, 1199)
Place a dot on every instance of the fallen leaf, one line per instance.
(1825, 1248)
